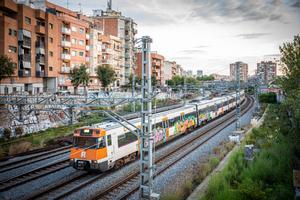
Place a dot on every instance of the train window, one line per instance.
(101, 142)
(84, 142)
(126, 138)
(171, 122)
(108, 140)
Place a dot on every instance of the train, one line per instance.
(109, 145)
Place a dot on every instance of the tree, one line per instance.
(206, 78)
(290, 82)
(79, 75)
(106, 75)
(153, 81)
(6, 67)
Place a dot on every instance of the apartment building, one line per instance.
(73, 43)
(29, 37)
(115, 24)
(170, 69)
(266, 72)
(276, 58)
(243, 71)
(112, 56)
(157, 66)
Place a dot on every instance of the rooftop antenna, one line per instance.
(68, 4)
(80, 9)
(109, 4)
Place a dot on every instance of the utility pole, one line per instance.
(133, 91)
(238, 96)
(146, 137)
(185, 90)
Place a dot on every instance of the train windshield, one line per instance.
(89, 142)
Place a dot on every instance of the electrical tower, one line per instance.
(146, 137)
(238, 95)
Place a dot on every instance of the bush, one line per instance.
(7, 133)
(268, 98)
(19, 131)
(19, 148)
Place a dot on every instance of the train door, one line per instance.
(110, 150)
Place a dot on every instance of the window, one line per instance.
(126, 138)
(50, 68)
(51, 53)
(12, 49)
(81, 42)
(74, 29)
(87, 142)
(51, 40)
(27, 20)
(108, 140)
(74, 41)
(81, 30)
(74, 53)
(12, 32)
(81, 53)
(51, 25)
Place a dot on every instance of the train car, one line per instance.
(109, 145)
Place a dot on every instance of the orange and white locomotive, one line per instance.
(109, 145)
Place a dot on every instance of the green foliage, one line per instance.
(6, 66)
(290, 83)
(206, 78)
(269, 175)
(79, 76)
(106, 75)
(267, 98)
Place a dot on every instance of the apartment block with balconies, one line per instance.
(243, 71)
(115, 24)
(24, 38)
(157, 66)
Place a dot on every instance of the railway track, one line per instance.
(80, 180)
(7, 166)
(33, 174)
(131, 181)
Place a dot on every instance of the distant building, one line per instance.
(189, 73)
(170, 69)
(199, 73)
(243, 71)
(276, 58)
(266, 72)
(157, 66)
(219, 77)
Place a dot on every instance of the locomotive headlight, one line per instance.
(94, 161)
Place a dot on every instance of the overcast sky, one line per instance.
(208, 34)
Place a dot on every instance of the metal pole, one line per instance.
(146, 138)
(133, 91)
(238, 96)
(185, 90)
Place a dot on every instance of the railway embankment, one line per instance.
(269, 175)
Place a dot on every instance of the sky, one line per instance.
(208, 35)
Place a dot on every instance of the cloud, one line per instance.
(252, 35)
(237, 10)
(192, 51)
(201, 46)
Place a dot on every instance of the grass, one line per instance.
(269, 175)
(42, 138)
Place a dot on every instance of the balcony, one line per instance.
(65, 43)
(40, 14)
(26, 43)
(108, 51)
(24, 73)
(66, 30)
(87, 48)
(40, 73)
(87, 36)
(127, 46)
(40, 50)
(9, 5)
(87, 59)
(65, 56)
(127, 65)
(127, 55)
(127, 37)
(40, 60)
(65, 69)
(40, 29)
